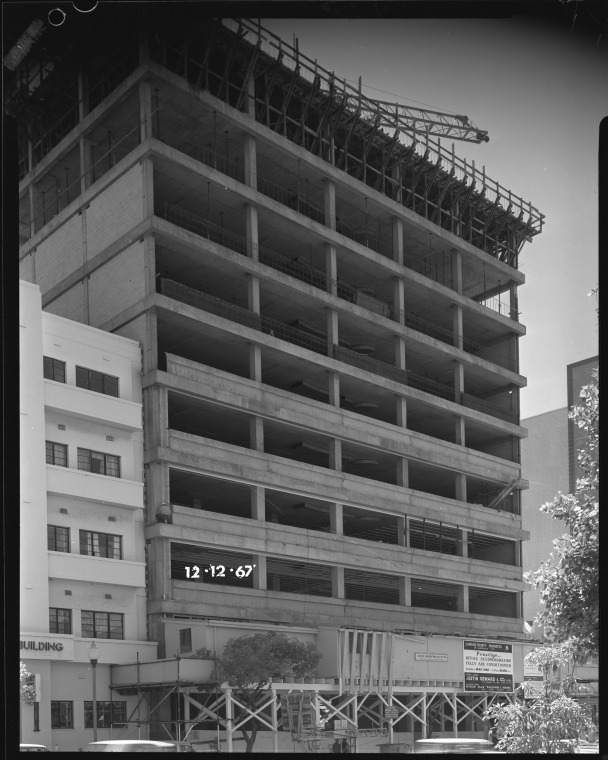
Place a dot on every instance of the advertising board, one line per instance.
(488, 666)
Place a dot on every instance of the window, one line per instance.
(95, 461)
(100, 544)
(53, 369)
(102, 625)
(108, 713)
(58, 538)
(62, 714)
(57, 453)
(60, 621)
(185, 639)
(96, 381)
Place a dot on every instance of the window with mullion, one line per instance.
(57, 453)
(96, 381)
(98, 462)
(108, 713)
(53, 369)
(62, 714)
(58, 538)
(100, 544)
(60, 620)
(102, 625)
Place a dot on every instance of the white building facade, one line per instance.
(82, 575)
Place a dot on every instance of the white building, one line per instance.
(82, 576)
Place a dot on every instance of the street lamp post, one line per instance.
(93, 657)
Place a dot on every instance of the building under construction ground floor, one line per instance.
(375, 691)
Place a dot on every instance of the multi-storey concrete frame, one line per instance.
(330, 367)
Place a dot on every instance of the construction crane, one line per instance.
(419, 122)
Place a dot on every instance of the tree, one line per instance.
(551, 724)
(569, 580)
(27, 691)
(250, 662)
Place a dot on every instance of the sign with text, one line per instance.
(45, 646)
(534, 682)
(431, 657)
(488, 666)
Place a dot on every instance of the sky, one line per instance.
(540, 91)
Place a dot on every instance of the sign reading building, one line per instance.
(488, 666)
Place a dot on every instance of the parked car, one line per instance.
(447, 745)
(137, 745)
(32, 748)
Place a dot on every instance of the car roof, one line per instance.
(453, 740)
(135, 741)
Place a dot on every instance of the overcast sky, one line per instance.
(541, 92)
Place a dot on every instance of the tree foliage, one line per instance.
(249, 663)
(542, 726)
(569, 580)
(27, 692)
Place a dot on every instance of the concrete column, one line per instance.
(336, 524)
(332, 331)
(334, 389)
(256, 434)
(402, 411)
(513, 352)
(148, 187)
(458, 381)
(255, 362)
(405, 591)
(398, 240)
(462, 542)
(463, 598)
(159, 564)
(331, 269)
(251, 231)
(258, 503)
(456, 270)
(459, 432)
(156, 417)
(259, 571)
(145, 111)
(335, 454)
(513, 302)
(400, 358)
(158, 491)
(398, 300)
(519, 604)
(517, 557)
(329, 197)
(253, 293)
(403, 531)
(151, 344)
(457, 327)
(403, 477)
(461, 486)
(337, 582)
(251, 171)
(150, 264)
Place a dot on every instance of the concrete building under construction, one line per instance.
(327, 307)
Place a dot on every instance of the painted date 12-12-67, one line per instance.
(219, 571)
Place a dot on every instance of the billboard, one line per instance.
(488, 666)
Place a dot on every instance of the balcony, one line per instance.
(115, 572)
(90, 486)
(162, 671)
(91, 406)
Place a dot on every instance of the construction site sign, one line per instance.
(488, 666)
